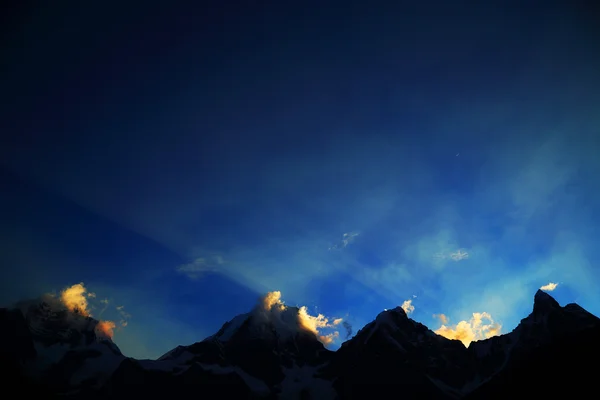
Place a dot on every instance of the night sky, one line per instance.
(182, 160)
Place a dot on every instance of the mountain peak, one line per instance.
(542, 301)
(385, 314)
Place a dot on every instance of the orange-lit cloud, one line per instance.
(74, 298)
(79, 301)
(272, 303)
(549, 287)
(480, 326)
(444, 320)
(330, 338)
(408, 307)
(105, 329)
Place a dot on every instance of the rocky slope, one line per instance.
(267, 354)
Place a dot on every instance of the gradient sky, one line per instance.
(182, 161)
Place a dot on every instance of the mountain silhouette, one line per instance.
(267, 354)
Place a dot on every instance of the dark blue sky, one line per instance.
(182, 160)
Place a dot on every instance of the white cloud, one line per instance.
(549, 287)
(459, 255)
(408, 307)
(347, 238)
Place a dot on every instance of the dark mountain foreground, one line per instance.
(49, 351)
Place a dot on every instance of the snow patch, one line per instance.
(232, 327)
(298, 379)
(256, 385)
(168, 364)
(99, 368)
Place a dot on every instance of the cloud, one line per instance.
(274, 310)
(347, 238)
(442, 318)
(74, 298)
(200, 266)
(329, 338)
(469, 331)
(408, 307)
(124, 316)
(549, 287)
(348, 328)
(105, 329)
(273, 300)
(77, 299)
(458, 255)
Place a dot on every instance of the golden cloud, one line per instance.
(75, 299)
(480, 326)
(271, 302)
(79, 301)
(442, 318)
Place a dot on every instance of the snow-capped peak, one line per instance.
(260, 323)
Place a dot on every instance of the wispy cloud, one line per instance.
(201, 266)
(77, 299)
(347, 238)
(408, 307)
(458, 255)
(442, 317)
(549, 287)
(348, 328)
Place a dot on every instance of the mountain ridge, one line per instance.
(269, 353)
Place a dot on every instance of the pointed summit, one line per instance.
(542, 301)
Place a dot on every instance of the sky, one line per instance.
(184, 160)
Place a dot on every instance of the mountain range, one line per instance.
(267, 353)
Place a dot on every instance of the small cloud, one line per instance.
(408, 307)
(347, 238)
(105, 329)
(329, 338)
(104, 301)
(348, 328)
(459, 255)
(480, 326)
(125, 316)
(91, 295)
(549, 287)
(443, 319)
(337, 321)
(200, 266)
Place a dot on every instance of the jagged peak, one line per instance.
(385, 314)
(542, 301)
